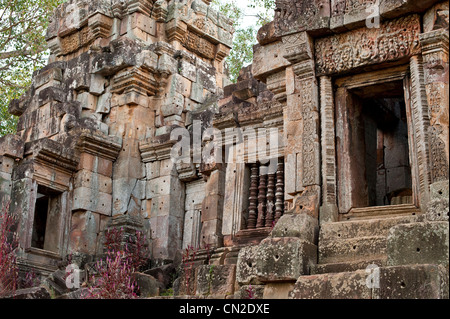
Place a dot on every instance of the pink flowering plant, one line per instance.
(114, 279)
(9, 272)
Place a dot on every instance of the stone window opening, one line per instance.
(266, 195)
(47, 212)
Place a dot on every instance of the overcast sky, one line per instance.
(250, 18)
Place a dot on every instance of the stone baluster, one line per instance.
(253, 198)
(262, 196)
(270, 200)
(279, 194)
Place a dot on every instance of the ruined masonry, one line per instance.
(351, 201)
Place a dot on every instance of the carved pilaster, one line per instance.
(253, 199)
(310, 147)
(435, 62)
(421, 124)
(328, 149)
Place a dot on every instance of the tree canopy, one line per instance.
(22, 49)
(244, 37)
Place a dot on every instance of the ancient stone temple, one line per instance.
(322, 173)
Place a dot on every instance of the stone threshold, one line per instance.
(380, 212)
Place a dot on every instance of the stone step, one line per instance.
(362, 228)
(347, 250)
(347, 266)
(395, 282)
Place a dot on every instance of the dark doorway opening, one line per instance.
(46, 208)
(382, 134)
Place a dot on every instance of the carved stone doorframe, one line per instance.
(337, 189)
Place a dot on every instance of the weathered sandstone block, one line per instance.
(275, 259)
(418, 243)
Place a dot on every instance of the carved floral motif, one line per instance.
(310, 125)
(392, 41)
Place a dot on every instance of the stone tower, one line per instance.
(322, 173)
(93, 140)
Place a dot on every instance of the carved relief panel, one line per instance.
(394, 40)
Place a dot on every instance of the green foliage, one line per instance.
(23, 50)
(168, 293)
(244, 39)
(242, 53)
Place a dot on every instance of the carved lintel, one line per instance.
(394, 40)
(53, 153)
(77, 40)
